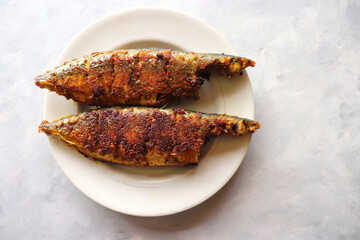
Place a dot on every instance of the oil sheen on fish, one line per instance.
(148, 77)
(140, 136)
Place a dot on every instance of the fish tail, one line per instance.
(42, 81)
(45, 127)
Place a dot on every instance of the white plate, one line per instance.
(165, 190)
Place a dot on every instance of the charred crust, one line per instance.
(129, 135)
(135, 71)
(91, 79)
(112, 75)
(178, 110)
(97, 92)
(107, 131)
(161, 136)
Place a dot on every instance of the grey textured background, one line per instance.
(300, 178)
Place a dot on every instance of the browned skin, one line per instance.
(139, 136)
(148, 77)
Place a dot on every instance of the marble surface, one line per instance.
(300, 178)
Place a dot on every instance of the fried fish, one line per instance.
(140, 136)
(148, 77)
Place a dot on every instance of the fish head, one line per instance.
(237, 65)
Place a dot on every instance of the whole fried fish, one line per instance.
(139, 136)
(149, 77)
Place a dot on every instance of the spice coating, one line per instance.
(149, 77)
(139, 136)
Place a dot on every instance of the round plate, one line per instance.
(160, 190)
